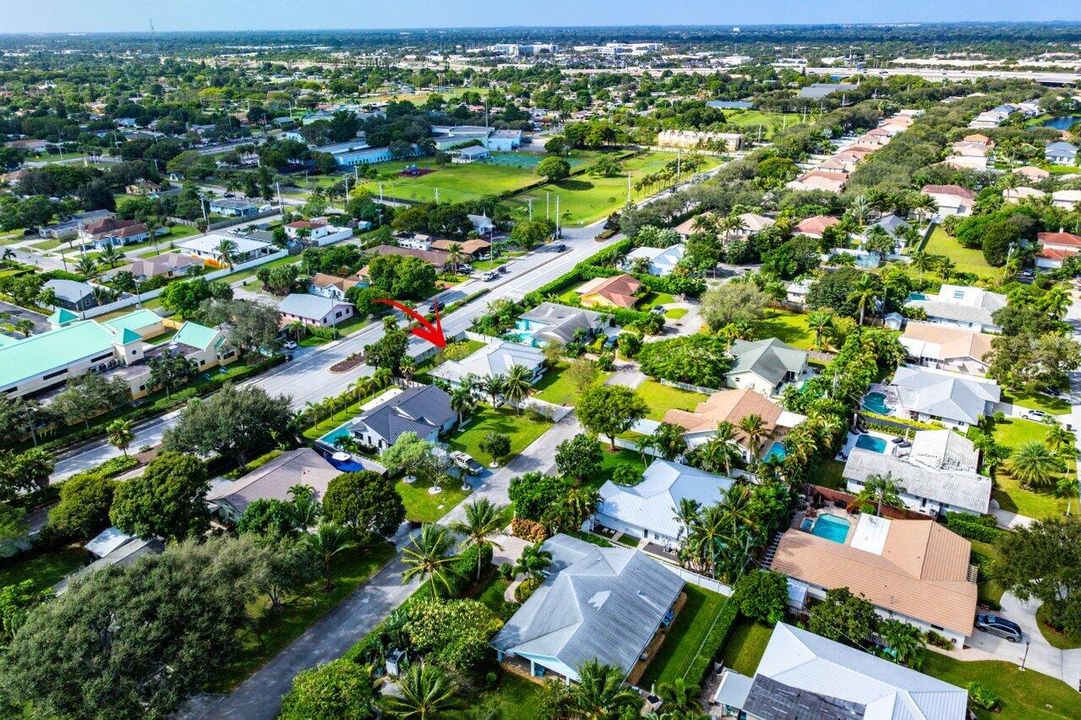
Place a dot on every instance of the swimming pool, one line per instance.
(831, 527)
(916, 296)
(872, 443)
(876, 402)
(776, 450)
(332, 437)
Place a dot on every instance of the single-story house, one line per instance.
(797, 291)
(1066, 199)
(803, 675)
(167, 265)
(915, 571)
(603, 604)
(1061, 153)
(765, 366)
(1033, 173)
(482, 224)
(827, 181)
(474, 249)
(272, 481)
(436, 258)
(947, 348)
(314, 310)
(234, 207)
(1054, 247)
(67, 229)
(495, 358)
(111, 547)
(615, 291)
(648, 509)
(423, 410)
(935, 395)
(961, 306)
(657, 261)
(317, 231)
(331, 286)
(938, 474)
(72, 294)
(1017, 194)
(111, 231)
(208, 248)
(951, 199)
(732, 406)
(552, 322)
(814, 226)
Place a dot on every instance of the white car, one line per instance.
(1035, 415)
(290, 345)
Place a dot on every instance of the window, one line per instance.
(99, 358)
(958, 294)
(56, 374)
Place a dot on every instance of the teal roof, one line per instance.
(195, 335)
(135, 320)
(52, 350)
(62, 316)
(129, 336)
(6, 340)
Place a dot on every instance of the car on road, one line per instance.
(436, 306)
(1000, 626)
(558, 247)
(503, 269)
(290, 345)
(1036, 415)
(466, 462)
(489, 276)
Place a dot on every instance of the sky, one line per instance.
(20, 16)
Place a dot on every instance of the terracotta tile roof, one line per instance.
(109, 225)
(324, 280)
(922, 571)
(469, 247)
(726, 405)
(1053, 254)
(815, 225)
(948, 190)
(1059, 238)
(952, 342)
(435, 257)
(619, 289)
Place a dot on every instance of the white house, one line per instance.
(314, 310)
(961, 306)
(934, 395)
(765, 366)
(658, 261)
(208, 247)
(1061, 153)
(951, 199)
(947, 348)
(1054, 247)
(496, 358)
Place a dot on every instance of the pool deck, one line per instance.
(850, 443)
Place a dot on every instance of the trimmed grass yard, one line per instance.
(830, 474)
(43, 569)
(745, 646)
(271, 630)
(965, 260)
(686, 637)
(749, 121)
(1009, 493)
(556, 387)
(1025, 695)
(522, 430)
(422, 506)
(611, 460)
(1038, 401)
(787, 326)
(515, 697)
(990, 591)
(662, 398)
(1060, 640)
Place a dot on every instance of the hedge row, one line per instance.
(714, 641)
(973, 527)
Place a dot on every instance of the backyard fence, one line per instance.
(688, 387)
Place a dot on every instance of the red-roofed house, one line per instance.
(951, 199)
(815, 226)
(1054, 247)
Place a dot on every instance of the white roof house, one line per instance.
(647, 510)
(806, 675)
(207, 247)
(497, 357)
(314, 309)
(944, 396)
(661, 261)
(961, 306)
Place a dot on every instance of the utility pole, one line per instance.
(380, 192)
(558, 233)
(278, 185)
(628, 189)
(547, 205)
(530, 208)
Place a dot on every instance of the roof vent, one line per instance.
(598, 599)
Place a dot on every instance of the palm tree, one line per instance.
(946, 267)
(721, 449)
(820, 321)
(687, 514)
(881, 490)
(737, 508)
(669, 441)
(578, 504)
(600, 693)
(152, 227)
(120, 434)
(680, 698)
(482, 521)
(227, 250)
(328, 540)
(425, 693)
(1060, 440)
(24, 326)
(492, 385)
(296, 329)
(462, 401)
(925, 206)
(8, 254)
(860, 209)
(1033, 465)
(86, 267)
(921, 261)
(111, 256)
(754, 427)
(315, 408)
(1056, 301)
(517, 384)
(904, 640)
(533, 562)
(429, 558)
(863, 293)
(306, 507)
(455, 256)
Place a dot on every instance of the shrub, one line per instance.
(496, 444)
(982, 697)
(528, 530)
(526, 588)
(763, 596)
(938, 640)
(973, 527)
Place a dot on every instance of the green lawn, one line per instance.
(966, 260)
(1060, 640)
(685, 638)
(44, 569)
(587, 198)
(661, 398)
(1038, 401)
(47, 244)
(514, 697)
(272, 631)
(611, 460)
(745, 646)
(990, 591)
(653, 299)
(1010, 495)
(749, 121)
(422, 506)
(491, 595)
(787, 326)
(521, 429)
(830, 474)
(1026, 695)
(675, 313)
(556, 387)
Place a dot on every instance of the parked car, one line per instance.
(559, 247)
(503, 269)
(489, 276)
(1000, 626)
(466, 462)
(290, 345)
(436, 306)
(657, 309)
(1037, 415)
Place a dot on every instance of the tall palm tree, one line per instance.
(455, 256)
(578, 504)
(680, 698)
(86, 267)
(863, 293)
(687, 514)
(946, 267)
(921, 261)
(1033, 465)
(426, 693)
(120, 434)
(721, 449)
(737, 508)
(517, 384)
(756, 430)
(600, 693)
(462, 401)
(492, 386)
(669, 441)
(111, 256)
(860, 209)
(227, 251)
(296, 329)
(306, 507)
(1056, 301)
(328, 540)
(1060, 440)
(881, 490)
(24, 326)
(152, 227)
(482, 521)
(429, 558)
(820, 321)
(533, 562)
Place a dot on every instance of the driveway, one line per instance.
(15, 313)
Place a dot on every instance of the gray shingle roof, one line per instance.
(311, 307)
(272, 481)
(597, 603)
(419, 410)
(770, 359)
(497, 357)
(959, 489)
(943, 395)
(562, 321)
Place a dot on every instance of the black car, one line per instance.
(437, 305)
(1000, 626)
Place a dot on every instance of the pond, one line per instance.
(1063, 122)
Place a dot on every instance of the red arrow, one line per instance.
(427, 331)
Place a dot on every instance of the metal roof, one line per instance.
(770, 359)
(944, 395)
(965, 490)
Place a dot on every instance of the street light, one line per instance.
(1025, 658)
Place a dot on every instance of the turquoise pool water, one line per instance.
(831, 527)
(870, 442)
(917, 296)
(775, 451)
(876, 402)
(332, 437)
(522, 333)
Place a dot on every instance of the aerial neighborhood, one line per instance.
(580, 373)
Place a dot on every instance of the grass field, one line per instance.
(685, 638)
(422, 506)
(990, 591)
(521, 429)
(662, 398)
(586, 198)
(514, 697)
(829, 473)
(1038, 401)
(1026, 695)
(43, 569)
(745, 646)
(787, 326)
(965, 260)
(556, 387)
(749, 121)
(1061, 640)
(1009, 493)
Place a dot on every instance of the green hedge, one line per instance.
(714, 641)
(973, 527)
